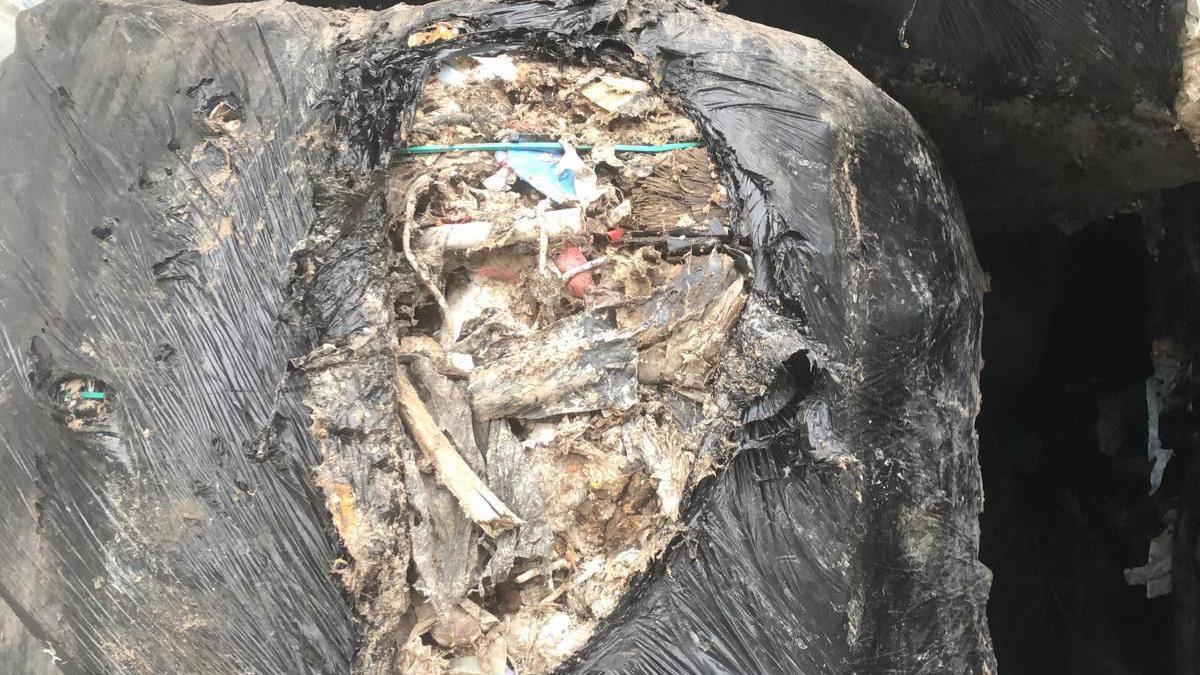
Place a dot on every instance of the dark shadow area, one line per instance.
(1072, 328)
(841, 24)
(1062, 447)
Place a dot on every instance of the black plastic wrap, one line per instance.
(1115, 52)
(1056, 110)
(151, 543)
(143, 247)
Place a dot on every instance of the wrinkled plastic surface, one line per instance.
(143, 247)
(152, 543)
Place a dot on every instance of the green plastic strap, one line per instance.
(93, 395)
(552, 147)
(654, 149)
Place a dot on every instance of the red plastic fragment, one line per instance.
(570, 258)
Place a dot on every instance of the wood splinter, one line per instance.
(477, 500)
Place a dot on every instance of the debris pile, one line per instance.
(578, 285)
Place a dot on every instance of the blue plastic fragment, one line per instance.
(540, 169)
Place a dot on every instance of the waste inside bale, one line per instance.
(577, 287)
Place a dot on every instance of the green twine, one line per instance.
(550, 147)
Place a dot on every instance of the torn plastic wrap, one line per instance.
(196, 228)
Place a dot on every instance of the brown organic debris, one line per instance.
(438, 32)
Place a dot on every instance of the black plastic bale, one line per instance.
(186, 535)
